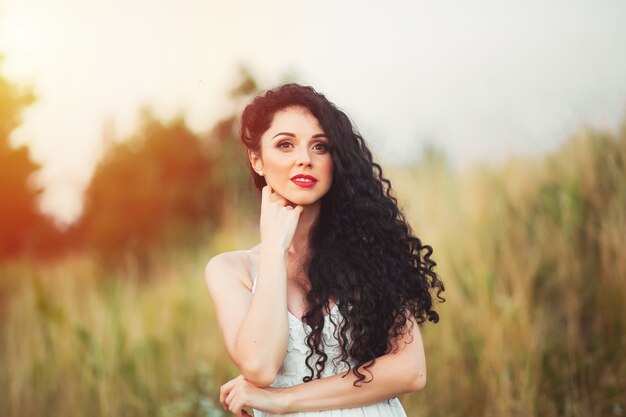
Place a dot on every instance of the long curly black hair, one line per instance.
(363, 252)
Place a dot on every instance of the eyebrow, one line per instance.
(319, 135)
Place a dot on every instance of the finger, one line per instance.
(229, 398)
(225, 390)
(224, 404)
(295, 211)
(236, 407)
(274, 196)
(277, 198)
(265, 194)
(223, 396)
(270, 193)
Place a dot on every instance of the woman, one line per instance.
(322, 317)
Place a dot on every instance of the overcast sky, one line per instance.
(481, 79)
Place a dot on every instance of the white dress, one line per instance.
(294, 368)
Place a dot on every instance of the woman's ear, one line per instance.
(255, 161)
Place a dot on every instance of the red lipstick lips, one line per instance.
(302, 180)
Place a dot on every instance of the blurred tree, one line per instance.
(247, 85)
(233, 158)
(157, 186)
(167, 185)
(23, 229)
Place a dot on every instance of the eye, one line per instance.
(280, 145)
(324, 147)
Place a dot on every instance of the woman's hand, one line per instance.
(278, 220)
(239, 393)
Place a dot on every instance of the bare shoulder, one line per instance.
(229, 269)
(227, 276)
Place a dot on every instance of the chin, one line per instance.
(303, 201)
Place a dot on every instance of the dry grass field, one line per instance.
(532, 253)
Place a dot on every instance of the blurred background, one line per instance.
(501, 125)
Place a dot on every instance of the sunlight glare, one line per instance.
(22, 42)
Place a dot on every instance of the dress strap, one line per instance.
(253, 270)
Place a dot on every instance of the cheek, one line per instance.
(329, 167)
(275, 164)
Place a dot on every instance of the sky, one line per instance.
(482, 80)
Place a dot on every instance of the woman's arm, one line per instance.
(254, 328)
(394, 374)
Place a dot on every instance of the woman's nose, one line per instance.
(303, 157)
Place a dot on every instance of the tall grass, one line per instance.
(531, 252)
(76, 343)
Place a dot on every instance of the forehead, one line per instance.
(296, 118)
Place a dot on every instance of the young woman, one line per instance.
(321, 317)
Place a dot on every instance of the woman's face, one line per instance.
(295, 144)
